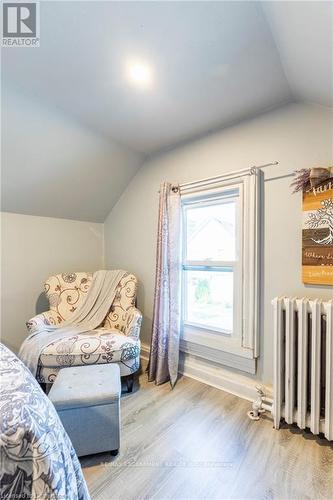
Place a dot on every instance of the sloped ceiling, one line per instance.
(303, 33)
(54, 167)
(214, 63)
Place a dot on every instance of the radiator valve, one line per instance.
(257, 405)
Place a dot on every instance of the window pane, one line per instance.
(210, 299)
(211, 232)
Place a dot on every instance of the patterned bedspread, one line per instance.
(37, 459)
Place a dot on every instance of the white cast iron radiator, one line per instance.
(303, 364)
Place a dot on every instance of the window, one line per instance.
(220, 271)
(211, 261)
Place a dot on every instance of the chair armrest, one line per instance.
(133, 323)
(47, 318)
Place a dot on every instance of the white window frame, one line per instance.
(241, 348)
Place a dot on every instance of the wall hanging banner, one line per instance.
(317, 233)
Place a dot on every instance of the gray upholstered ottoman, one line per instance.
(87, 399)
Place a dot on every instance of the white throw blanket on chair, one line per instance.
(89, 316)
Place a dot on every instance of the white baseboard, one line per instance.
(216, 376)
(145, 350)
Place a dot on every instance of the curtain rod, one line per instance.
(230, 175)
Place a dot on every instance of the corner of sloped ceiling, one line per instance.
(303, 34)
(55, 166)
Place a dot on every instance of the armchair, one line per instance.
(115, 341)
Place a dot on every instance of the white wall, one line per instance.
(33, 248)
(298, 136)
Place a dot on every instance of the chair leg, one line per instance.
(43, 386)
(46, 387)
(130, 382)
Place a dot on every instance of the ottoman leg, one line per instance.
(114, 453)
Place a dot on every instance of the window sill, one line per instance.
(217, 348)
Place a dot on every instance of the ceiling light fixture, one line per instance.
(140, 74)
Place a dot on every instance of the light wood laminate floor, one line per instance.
(196, 442)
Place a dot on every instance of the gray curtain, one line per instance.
(164, 349)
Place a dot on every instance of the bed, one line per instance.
(37, 458)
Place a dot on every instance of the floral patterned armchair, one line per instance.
(115, 341)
